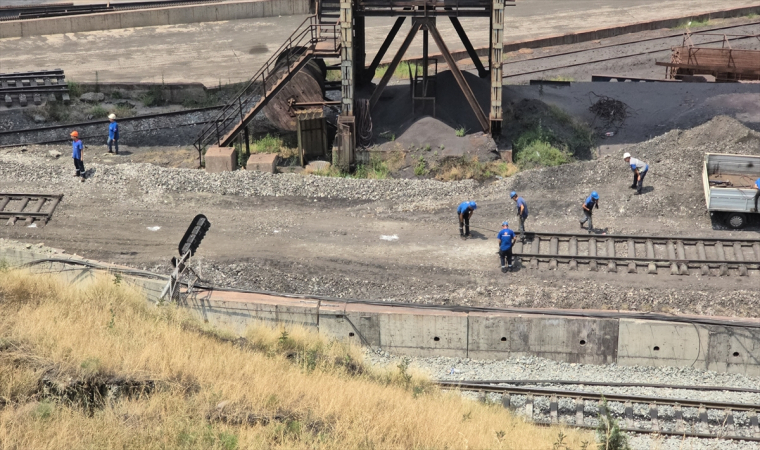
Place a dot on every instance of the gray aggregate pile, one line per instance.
(534, 368)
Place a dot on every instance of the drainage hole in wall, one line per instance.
(350, 334)
(736, 354)
(656, 348)
(583, 342)
(436, 339)
(503, 339)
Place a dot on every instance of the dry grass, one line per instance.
(470, 168)
(272, 390)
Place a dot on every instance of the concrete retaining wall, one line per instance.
(592, 338)
(212, 12)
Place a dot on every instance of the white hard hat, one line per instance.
(626, 155)
(113, 116)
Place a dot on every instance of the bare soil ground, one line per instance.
(325, 237)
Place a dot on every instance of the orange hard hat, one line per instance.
(74, 133)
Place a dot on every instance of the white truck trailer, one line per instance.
(729, 187)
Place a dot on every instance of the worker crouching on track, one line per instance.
(640, 169)
(522, 212)
(506, 241)
(591, 202)
(77, 151)
(464, 212)
(113, 134)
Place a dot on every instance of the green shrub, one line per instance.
(541, 154)
(98, 112)
(377, 169)
(609, 434)
(75, 89)
(421, 168)
(154, 96)
(267, 144)
(461, 131)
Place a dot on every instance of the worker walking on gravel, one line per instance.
(113, 134)
(640, 169)
(522, 212)
(591, 202)
(464, 212)
(77, 149)
(506, 239)
(757, 194)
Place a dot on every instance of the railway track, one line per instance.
(640, 254)
(23, 87)
(704, 32)
(28, 207)
(69, 9)
(639, 414)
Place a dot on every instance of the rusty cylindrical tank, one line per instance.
(308, 85)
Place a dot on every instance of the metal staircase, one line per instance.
(312, 39)
(329, 11)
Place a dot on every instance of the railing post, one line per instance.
(218, 139)
(240, 107)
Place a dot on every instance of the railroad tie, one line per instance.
(672, 257)
(573, 248)
(611, 265)
(535, 248)
(24, 202)
(628, 414)
(683, 269)
(4, 202)
(652, 268)
(579, 406)
(753, 424)
(729, 422)
(553, 407)
(723, 270)
(37, 207)
(506, 400)
(653, 416)
(703, 425)
(739, 255)
(678, 418)
(592, 252)
(631, 254)
(553, 250)
(703, 256)
(756, 248)
(529, 406)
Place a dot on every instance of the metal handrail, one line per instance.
(304, 39)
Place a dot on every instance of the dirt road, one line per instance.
(393, 239)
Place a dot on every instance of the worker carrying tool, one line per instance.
(757, 194)
(591, 202)
(522, 212)
(113, 134)
(506, 239)
(464, 212)
(77, 149)
(640, 169)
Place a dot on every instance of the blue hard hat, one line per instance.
(473, 205)
(505, 223)
(512, 194)
(594, 195)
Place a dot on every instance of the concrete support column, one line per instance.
(497, 57)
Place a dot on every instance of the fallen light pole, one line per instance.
(187, 248)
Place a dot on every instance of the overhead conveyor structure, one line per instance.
(338, 30)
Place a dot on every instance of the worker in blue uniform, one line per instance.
(522, 212)
(77, 149)
(464, 212)
(506, 239)
(113, 134)
(591, 202)
(757, 194)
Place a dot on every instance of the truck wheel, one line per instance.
(736, 220)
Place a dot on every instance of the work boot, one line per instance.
(503, 269)
(509, 268)
(633, 186)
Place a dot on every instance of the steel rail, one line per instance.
(617, 384)
(612, 58)
(636, 259)
(105, 121)
(564, 393)
(585, 236)
(638, 41)
(36, 74)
